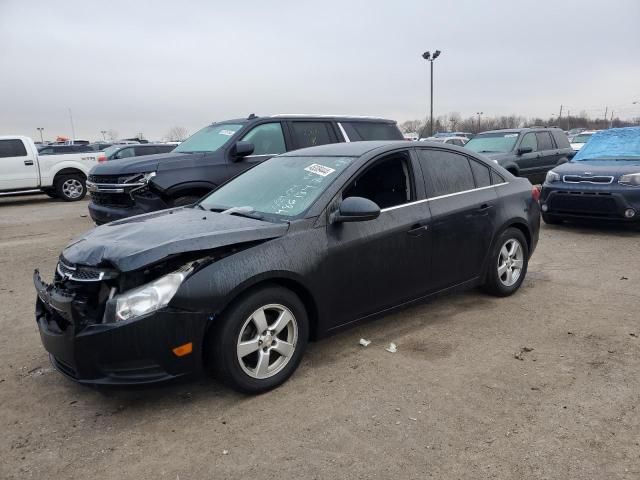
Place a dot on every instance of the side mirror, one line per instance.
(523, 150)
(356, 209)
(242, 149)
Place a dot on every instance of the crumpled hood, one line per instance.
(135, 242)
(599, 167)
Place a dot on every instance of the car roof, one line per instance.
(127, 145)
(520, 130)
(346, 149)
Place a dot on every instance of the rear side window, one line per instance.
(125, 153)
(362, 131)
(165, 148)
(481, 173)
(140, 151)
(496, 178)
(445, 172)
(12, 148)
(529, 140)
(309, 134)
(544, 141)
(561, 139)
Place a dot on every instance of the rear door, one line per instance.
(548, 151)
(18, 167)
(462, 203)
(529, 164)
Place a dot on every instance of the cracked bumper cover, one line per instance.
(137, 351)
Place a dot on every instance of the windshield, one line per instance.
(582, 138)
(111, 150)
(492, 142)
(209, 139)
(280, 186)
(614, 144)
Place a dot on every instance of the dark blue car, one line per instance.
(601, 182)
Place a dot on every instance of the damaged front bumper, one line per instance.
(135, 351)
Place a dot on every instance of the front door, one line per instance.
(530, 164)
(377, 264)
(463, 206)
(18, 169)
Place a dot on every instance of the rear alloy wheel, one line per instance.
(258, 343)
(508, 264)
(70, 188)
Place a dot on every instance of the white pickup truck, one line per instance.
(59, 176)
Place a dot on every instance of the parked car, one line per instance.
(602, 182)
(23, 168)
(61, 149)
(525, 152)
(578, 141)
(466, 135)
(100, 146)
(116, 152)
(213, 155)
(458, 141)
(298, 247)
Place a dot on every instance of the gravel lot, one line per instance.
(453, 402)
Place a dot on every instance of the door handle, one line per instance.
(28, 162)
(484, 208)
(418, 230)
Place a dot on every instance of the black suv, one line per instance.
(210, 157)
(525, 152)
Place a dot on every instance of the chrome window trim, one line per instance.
(344, 133)
(441, 196)
(263, 155)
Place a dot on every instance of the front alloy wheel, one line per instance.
(258, 342)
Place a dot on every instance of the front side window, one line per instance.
(267, 139)
(387, 182)
(281, 186)
(492, 142)
(529, 140)
(12, 148)
(445, 172)
(309, 134)
(209, 139)
(125, 153)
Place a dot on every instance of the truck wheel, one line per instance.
(257, 344)
(70, 188)
(184, 201)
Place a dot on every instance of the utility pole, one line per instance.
(611, 122)
(568, 119)
(430, 58)
(103, 132)
(560, 114)
(605, 112)
(73, 130)
(40, 129)
(479, 115)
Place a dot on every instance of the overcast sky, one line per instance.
(135, 68)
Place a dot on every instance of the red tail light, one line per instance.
(535, 193)
(102, 157)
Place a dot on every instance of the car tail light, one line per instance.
(102, 158)
(535, 193)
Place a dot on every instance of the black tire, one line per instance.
(551, 220)
(223, 336)
(70, 188)
(184, 201)
(495, 283)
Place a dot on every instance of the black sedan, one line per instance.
(296, 248)
(602, 182)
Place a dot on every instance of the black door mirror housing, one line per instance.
(523, 150)
(242, 149)
(356, 209)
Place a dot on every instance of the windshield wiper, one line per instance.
(245, 211)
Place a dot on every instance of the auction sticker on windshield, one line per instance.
(319, 169)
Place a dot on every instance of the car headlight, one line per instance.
(552, 177)
(142, 178)
(630, 179)
(150, 297)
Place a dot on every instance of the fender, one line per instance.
(183, 187)
(66, 167)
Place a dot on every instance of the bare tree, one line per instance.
(112, 135)
(176, 134)
(411, 126)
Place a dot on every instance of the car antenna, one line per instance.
(252, 116)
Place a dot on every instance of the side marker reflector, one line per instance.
(183, 350)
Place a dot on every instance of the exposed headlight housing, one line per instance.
(150, 297)
(632, 179)
(552, 177)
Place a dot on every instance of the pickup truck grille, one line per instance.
(104, 178)
(112, 199)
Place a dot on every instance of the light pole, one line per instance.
(40, 129)
(479, 115)
(104, 133)
(430, 58)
